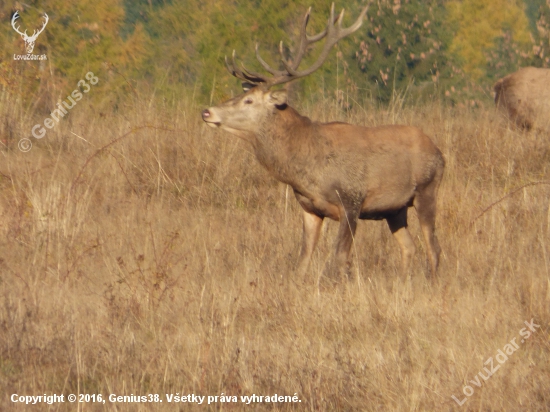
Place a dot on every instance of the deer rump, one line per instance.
(524, 96)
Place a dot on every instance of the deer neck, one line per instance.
(284, 146)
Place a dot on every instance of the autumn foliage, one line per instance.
(451, 49)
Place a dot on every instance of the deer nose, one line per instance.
(206, 113)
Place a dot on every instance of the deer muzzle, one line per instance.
(210, 118)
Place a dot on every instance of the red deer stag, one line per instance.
(525, 97)
(337, 170)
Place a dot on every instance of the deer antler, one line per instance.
(333, 32)
(13, 19)
(46, 19)
(25, 35)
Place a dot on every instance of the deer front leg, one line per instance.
(310, 236)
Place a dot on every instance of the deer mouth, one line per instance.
(210, 119)
(213, 124)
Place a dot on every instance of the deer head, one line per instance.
(29, 40)
(245, 114)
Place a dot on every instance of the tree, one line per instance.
(403, 46)
(193, 37)
(541, 38)
(81, 36)
(482, 27)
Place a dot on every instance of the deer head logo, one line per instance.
(29, 40)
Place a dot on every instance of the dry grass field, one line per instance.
(143, 253)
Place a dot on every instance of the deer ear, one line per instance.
(277, 97)
(247, 86)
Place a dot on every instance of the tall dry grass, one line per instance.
(162, 263)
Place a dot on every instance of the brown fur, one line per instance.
(525, 97)
(341, 171)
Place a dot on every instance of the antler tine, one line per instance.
(254, 77)
(233, 67)
(334, 34)
(266, 66)
(228, 67)
(354, 27)
(319, 36)
(244, 74)
(282, 51)
(325, 31)
(324, 54)
(304, 40)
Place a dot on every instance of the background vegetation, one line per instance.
(454, 49)
(143, 252)
(159, 260)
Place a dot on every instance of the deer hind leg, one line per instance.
(425, 205)
(310, 236)
(398, 227)
(346, 231)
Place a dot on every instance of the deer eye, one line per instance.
(248, 101)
